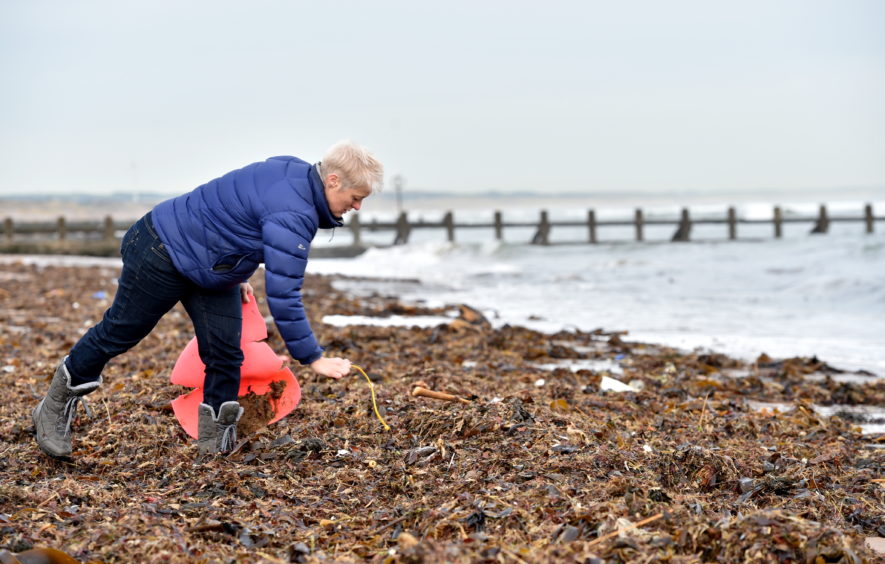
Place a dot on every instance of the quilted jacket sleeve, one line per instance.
(287, 239)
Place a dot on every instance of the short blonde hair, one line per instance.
(354, 164)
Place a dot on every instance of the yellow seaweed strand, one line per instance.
(374, 402)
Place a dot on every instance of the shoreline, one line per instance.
(686, 343)
(701, 342)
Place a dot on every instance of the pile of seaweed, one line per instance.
(541, 464)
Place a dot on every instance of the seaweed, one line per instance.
(535, 465)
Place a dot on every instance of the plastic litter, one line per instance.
(261, 367)
(37, 556)
(613, 385)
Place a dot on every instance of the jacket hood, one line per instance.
(326, 219)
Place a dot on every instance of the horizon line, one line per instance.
(143, 195)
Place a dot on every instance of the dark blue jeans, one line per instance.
(150, 286)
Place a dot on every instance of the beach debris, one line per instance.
(418, 391)
(268, 389)
(374, 399)
(609, 384)
(523, 474)
(259, 409)
(425, 454)
(876, 544)
(472, 316)
(37, 556)
(624, 527)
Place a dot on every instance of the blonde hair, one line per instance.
(354, 164)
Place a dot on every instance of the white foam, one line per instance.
(574, 365)
(43, 261)
(392, 321)
(801, 295)
(872, 413)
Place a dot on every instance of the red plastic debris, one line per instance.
(261, 367)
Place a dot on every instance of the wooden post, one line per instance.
(591, 226)
(868, 217)
(499, 226)
(542, 235)
(8, 228)
(778, 222)
(355, 230)
(403, 229)
(823, 223)
(639, 224)
(449, 222)
(732, 223)
(62, 228)
(108, 228)
(684, 230)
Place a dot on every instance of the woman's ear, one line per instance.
(333, 181)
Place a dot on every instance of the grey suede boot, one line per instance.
(218, 434)
(53, 415)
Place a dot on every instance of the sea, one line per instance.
(801, 295)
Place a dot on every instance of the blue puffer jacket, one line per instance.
(268, 212)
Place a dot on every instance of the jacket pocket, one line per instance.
(230, 270)
(228, 263)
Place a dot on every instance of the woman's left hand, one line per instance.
(246, 291)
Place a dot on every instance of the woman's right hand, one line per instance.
(331, 367)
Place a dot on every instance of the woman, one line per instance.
(200, 249)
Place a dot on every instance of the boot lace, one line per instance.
(228, 438)
(70, 411)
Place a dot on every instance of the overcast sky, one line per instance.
(583, 96)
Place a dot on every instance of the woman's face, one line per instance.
(341, 200)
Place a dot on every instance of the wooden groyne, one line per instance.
(101, 237)
(403, 227)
